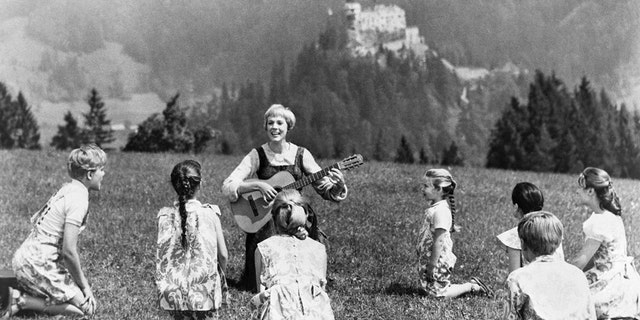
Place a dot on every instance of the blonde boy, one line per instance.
(547, 288)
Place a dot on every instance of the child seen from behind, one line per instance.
(191, 251)
(527, 197)
(547, 287)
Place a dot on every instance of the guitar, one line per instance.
(251, 211)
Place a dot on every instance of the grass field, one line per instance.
(372, 233)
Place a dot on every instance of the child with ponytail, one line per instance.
(613, 279)
(290, 266)
(191, 252)
(435, 256)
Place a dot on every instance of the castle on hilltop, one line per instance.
(382, 25)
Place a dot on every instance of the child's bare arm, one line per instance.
(588, 250)
(514, 259)
(72, 262)
(436, 249)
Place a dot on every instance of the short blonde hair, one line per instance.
(540, 232)
(84, 159)
(278, 110)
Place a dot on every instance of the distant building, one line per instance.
(385, 26)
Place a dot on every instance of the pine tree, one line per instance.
(97, 126)
(451, 156)
(18, 126)
(627, 151)
(404, 153)
(506, 148)
(69, 136)
(423, 157)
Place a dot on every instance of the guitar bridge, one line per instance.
(252, 203)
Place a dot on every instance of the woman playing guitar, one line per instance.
(264, 162)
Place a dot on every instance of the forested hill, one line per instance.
(197, 45)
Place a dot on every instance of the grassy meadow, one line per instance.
(372, 233)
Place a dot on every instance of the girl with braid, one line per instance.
(191, 252)
(435, 256)
(612, 277)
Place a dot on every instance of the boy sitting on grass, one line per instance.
(547, 288)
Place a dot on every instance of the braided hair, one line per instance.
(287, 217)
(600, 181)
(185, 179)
(441, 178)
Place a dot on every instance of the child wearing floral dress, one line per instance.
(291, 267)
(613, 279)
(191, 254)
(527, 197)
(435, 256)
(47, 264)
(547, 287)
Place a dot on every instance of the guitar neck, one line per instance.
(310, 178)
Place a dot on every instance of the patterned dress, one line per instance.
(293, 271)
(189, 279)
(437, 216)
(38, 263)
(613, 279)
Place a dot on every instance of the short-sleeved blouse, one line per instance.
(69, 205)
(607, 228)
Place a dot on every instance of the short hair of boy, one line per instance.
(540, 232)
(84, 159)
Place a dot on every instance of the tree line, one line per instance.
(367, 105)
(559, 130)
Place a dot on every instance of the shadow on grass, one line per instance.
(239, 285)
(402, 289)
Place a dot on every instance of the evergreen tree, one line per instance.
(451, 156)
(404, 153)
(176, 136)
(69, 136)
(97, 126)
(18, 126)
(423, 157)
(627, 151)
(506, 149)
(26, 134)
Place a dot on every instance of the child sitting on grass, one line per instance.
(191, 255)
(612, 276)
(435, 256)
(547, 287)
(527, 197)
(47, 264)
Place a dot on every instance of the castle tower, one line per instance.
(352, 10)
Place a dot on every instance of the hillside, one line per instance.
(55, 52)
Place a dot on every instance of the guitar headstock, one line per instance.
(350, 162)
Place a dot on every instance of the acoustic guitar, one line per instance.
(251, 211)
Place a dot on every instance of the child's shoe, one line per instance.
(15, 303)
(483, 287)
